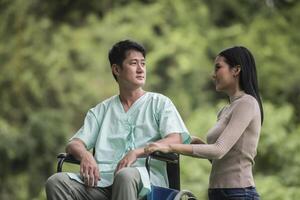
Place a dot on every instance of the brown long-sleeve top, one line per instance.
(232, 144)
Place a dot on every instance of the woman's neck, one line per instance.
(235, 95)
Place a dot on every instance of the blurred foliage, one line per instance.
(54, 66)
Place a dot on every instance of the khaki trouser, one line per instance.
(127, 184)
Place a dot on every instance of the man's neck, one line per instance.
(128, 97)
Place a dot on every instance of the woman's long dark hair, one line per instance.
(241, 56)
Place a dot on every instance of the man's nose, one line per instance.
(213, 76)
(140, 67)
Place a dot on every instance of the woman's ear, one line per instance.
(237, 70)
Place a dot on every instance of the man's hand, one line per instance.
(127, 161)
(89, 170)
(150, 148)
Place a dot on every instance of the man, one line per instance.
(119, 128)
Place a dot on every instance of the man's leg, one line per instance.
(60, 187)
(127, 184)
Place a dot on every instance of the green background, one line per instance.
(54, 67)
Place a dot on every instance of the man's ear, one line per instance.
(115, 69)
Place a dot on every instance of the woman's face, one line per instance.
(224, 75)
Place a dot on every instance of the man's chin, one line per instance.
(141, 83)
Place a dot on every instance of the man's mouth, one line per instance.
(140, 77)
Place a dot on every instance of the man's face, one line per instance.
(133, 71)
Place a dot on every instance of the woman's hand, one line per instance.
(150, 148)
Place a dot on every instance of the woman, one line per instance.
(232, 142)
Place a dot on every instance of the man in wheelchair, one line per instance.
(118, 129)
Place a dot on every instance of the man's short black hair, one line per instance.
(117, 53)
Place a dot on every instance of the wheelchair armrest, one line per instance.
(167, 157)
(64, 157)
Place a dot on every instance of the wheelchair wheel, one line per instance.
(185, 195)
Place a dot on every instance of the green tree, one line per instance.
(53, 63)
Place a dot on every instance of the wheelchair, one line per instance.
(157, 193)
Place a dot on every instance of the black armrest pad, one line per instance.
(168, 157)
(61, 155)
(68, 158)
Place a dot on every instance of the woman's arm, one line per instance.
(185, 149)
(175, 146)
(240, 119)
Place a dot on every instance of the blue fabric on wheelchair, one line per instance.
(161, 193)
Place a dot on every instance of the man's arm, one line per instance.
(173, 138)
(88, 167)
